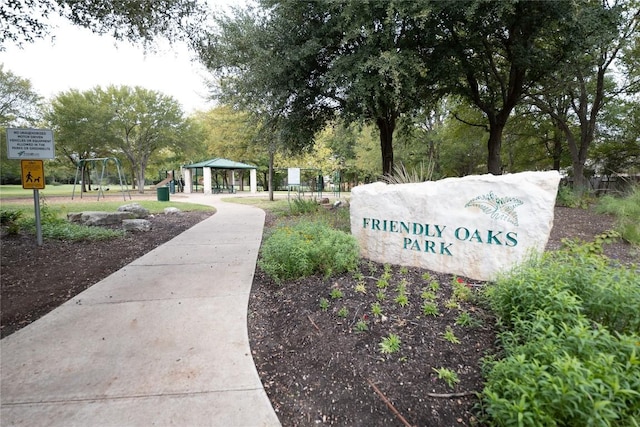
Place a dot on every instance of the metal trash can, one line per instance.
(163, 194)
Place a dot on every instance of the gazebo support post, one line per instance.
(206, 174)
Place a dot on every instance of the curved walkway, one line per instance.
(163, 341)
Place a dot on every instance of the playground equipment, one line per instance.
(104, 162)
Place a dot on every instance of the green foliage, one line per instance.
(451, 304)
(381, 295)
(336, 293)
(56, 228)
(590, 248)
(570, 342)
(361, 326)
(461, 292)
(465, 319)
(390, 344)
(324, 304)
(10, 220)
(401, 175)
(448, 375)
(343, 312)
(571, 199)
(434, 286)
(306, 248)
(427, 295)
(627, 213)
(376, 309)
(402, 300)
(450, 336)
(361, 288)
(300, 205)
(430, 309)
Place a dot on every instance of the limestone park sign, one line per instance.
(476, 226)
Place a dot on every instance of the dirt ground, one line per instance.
(319, 367)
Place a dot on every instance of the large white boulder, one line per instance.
(476, 226)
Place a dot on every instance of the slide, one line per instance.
(164, 181)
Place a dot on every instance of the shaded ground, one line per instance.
(315, 365)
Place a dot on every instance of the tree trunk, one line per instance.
(271, 175)
(494, 161)
(140, 177)
(557, 152)
(386, 126)
(580, 183)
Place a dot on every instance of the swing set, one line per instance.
(101, 189)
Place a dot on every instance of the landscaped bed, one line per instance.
(324, 354)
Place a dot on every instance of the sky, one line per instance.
(79, 59)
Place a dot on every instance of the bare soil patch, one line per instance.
(317, 368)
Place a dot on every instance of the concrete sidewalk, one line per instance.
(163, 341)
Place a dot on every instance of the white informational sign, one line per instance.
(30, 144)
(293, 177)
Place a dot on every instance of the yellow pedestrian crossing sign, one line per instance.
(32, 174)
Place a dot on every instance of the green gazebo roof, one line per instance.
(219, 163)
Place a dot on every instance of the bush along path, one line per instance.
(343, 341)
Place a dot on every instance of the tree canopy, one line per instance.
(135, 123)
(27, 20)
(306, 62)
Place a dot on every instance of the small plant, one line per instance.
(430, 309)
(381, 295)
(402, 300)
(376, 309)
(450, 336)
(426, 276)
(427, 295)
(451, 304)
(449, 376)
(461, 290)
(336, 293)
(390, 344)
(465, 319)
(387, 270)
(324, 304)
(434, 286)
(402, 286)
(382, 283)
(361, 288)
(343, 312)
(404, 270)
(361, 326)
(358, 276)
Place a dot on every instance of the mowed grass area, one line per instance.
(57, 200)
(63, 190)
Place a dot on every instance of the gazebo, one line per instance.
(217, 163)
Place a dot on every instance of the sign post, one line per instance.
(31, 146)
(33, 178)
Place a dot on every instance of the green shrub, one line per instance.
(301, 206)
(11, 220)
(306, 248)
(568, 198)
(627, 213)
(570, 343)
